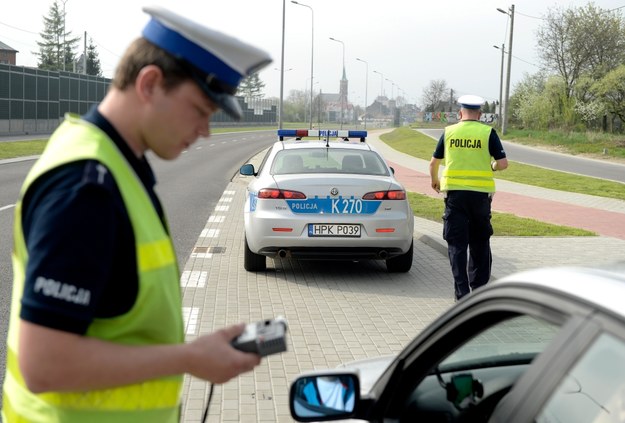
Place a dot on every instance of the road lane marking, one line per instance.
(7, 207)
(193, 279)
(190, 317)
(209, 233)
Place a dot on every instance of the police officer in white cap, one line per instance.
(96, 328)
(470, 151)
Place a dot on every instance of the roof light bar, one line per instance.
(339, 133)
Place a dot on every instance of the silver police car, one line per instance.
(326, 195)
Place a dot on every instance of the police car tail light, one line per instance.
(385, 195)
(276, 194)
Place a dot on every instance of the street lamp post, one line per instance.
(312, 49)
(510, 13)
(381, 88)
(381, 82)
(341, 94)
(366, 86)
(501, 77)
(281, 108)
(392, 88)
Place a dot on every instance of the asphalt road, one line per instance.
(557, 161)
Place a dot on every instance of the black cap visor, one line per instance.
(226, 101)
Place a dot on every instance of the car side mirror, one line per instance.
(247, 170)
(324, 396)
(392, 170)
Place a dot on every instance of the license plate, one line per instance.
(333, 230)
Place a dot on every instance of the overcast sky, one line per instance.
(407, 42)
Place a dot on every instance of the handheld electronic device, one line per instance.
(263, 338)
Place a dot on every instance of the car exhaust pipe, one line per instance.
(282, 253)
(383, 254)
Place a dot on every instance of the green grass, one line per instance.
(12, 149)
(594, 144)
(419, 145)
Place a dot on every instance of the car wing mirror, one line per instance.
(247, 170)
(324, 396)
(392, 170)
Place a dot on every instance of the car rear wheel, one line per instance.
(253, 262)
(401, 263)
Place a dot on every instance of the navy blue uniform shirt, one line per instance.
(495, 148)
(82, 259)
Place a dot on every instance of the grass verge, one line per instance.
(421, 146)
(504, 224)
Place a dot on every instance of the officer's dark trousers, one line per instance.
(466, 226)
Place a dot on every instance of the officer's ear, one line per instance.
(148, 80)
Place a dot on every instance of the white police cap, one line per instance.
(220, 62)
(471, 101)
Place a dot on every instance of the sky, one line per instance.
(402, 45)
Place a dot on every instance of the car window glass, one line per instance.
(328, 160)
(265, 157)
(469, 383)
(521, 335)
(593, 391)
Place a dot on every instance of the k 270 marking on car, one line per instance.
(334, 206)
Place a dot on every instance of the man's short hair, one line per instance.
(142, 53)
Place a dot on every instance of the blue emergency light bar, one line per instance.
(339, 133)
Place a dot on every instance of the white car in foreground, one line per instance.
(541, 346)
(328, 200)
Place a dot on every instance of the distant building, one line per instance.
(334, 104)
(7, 54)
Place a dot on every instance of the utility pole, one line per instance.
(504, 124)
(64, 56)
(451, 98)
(84, 56)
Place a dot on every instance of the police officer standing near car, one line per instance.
(470, 151)
(96, 332)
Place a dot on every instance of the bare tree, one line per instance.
(434, 94)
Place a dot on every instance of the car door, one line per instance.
(585, 384)
(465, 363)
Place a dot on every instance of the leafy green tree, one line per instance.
(251, 86)
(611, 90)
(539, 103)
(93, 60)
(56, 48)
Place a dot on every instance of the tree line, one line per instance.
(581, 84)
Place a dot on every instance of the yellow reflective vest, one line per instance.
(155, 318)
(467, 158)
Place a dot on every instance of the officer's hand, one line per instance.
(213, 358)
(436, 185)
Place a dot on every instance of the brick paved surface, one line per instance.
(341, 311)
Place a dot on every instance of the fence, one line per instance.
(34, 101)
